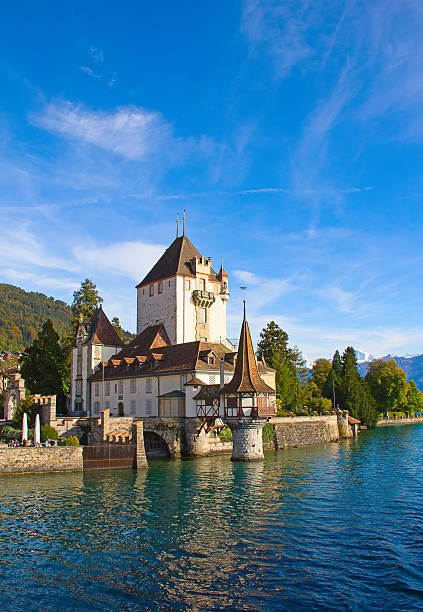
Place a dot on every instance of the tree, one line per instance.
(367, 412)
(85, 302)
(116, 324)
(43, 365)
(291, 373)
(320, 372)
(337, 364)
(414, 398)
(31, 408)
(387, 383)
(351, 382)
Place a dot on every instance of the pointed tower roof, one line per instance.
(101, 331)
(222, 273)
(174, 261)
(246, 377)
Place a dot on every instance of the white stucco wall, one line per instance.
(158, 308)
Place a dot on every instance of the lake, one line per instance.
(336, 526)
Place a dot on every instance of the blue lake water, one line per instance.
(337, 526)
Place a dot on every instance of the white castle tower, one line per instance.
(183, 292)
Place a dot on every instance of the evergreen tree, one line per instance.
(367, 412)
(116, 324)
(288, 362)
(43, 365)
(85, 302)
(337, 364)
(351, 382)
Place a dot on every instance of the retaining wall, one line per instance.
(303, 431)
(50, 459)
(400, 421)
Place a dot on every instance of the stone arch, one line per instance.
(155, 445)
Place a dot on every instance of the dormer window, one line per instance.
(211, 360)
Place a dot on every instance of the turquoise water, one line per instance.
(335, 526)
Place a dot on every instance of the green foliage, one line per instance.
(367, 411)
(30, 407)
(320, 372)
(71, 441)
(124, 335)
(268, 433)
(387, 384)
(85, 302)
(414, 397)
(291, 373)
(225, 434)
(47, 432)
(351, 382)
(22, 314)
(44, 365)
(8, 434)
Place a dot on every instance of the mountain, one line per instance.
(412, 366)
(22, 314)
(363, 356)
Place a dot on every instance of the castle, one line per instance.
(181, 364)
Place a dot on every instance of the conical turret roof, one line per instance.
(246, 377)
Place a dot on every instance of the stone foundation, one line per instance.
(53, 459)
(247, 438)
(302, 431)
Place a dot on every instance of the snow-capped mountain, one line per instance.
(411, 364)
(362, 356)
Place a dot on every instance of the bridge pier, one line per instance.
(247, 438)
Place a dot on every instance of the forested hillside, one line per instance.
(22, 314)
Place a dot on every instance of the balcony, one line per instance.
(204, 299)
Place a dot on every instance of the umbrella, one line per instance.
(24, 427)
(37, 430)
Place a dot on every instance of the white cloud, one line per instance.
(133, 259)
(131, 132)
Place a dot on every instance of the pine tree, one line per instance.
(351, 382)
(288, 362)
(116, 324)
(43, 365)
(337, 364)
(85, 302)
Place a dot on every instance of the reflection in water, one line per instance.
(327, 526)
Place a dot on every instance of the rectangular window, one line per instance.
(148, 385)
(148, 407)
(97, 390)
(97, 407)
(115, 388)
(203, 315)
(120, 385)
(133, 407)
(107, 405)
(212, 379)
(133, 385)
(182, 381)
(78, 387)
(79, 367)
(160, 288)
(151, 290)
(202, 284)
(107, 388)
(187, 284)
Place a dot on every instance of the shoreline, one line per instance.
(387, 422)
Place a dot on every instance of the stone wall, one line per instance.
(302, 431)
(53, 459)
(400, 421)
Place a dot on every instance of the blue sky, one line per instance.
(291, 132)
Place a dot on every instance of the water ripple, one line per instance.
(334, 526)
